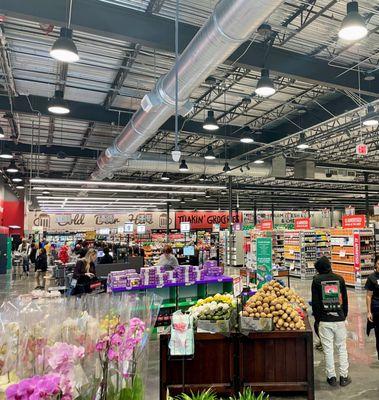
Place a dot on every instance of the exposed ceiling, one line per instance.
(126, 45)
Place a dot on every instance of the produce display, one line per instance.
(214, 308)
(281, 304)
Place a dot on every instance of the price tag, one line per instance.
(292, 251)
(342, 253)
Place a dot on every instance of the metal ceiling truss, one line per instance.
(218, 89)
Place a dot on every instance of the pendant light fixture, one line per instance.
(207, 195)
(302, 145)
(371, 118)
(183, 166)
(202, 178)
(6, 156)
(353, 26)
(210, 123)
(259, 159)
(12, 167)
(57, 104)
(64, 48)
(2, 134)
(165, 177)
(16, 179)
(265, 86)
(247, 136)
(209, 155)
(182, 201)
(226, 168)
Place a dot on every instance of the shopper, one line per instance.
(85, 272)
(33, 254)
(24, 250)
(107, 258)
(330, 309)
(41, 268)
(372, 300)
(167, 259)
(63, 254)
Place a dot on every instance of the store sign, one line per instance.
(216, 228)
(205, 219)
(266, 225)
(129, 227)
(353, 221)
(361, 149)
(302, 223)
(90, 235)
(237, 227)
(185, 227)
(81, 222)
(357, 252)
(350, 210)
(264, 259)
(141, 229)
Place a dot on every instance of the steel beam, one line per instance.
(123, 23)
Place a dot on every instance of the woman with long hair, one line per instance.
(85, 271)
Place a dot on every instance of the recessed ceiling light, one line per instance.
(353, 26)
(64, 48)
(210, 123)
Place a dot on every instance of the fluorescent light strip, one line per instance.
(117, 199)
(104, 190)
(98, 203)
(113, 184)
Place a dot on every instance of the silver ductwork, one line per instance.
(154, 162)
(231, 24)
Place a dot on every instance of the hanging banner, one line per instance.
(266, 225)
(302, 224)
(350, 210)
(357, 252)
(264, 259)
(353, 221)
(205, 219)
(185, 227)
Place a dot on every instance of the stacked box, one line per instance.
(148, 275)
(119, 279)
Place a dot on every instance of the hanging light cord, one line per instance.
(69, 15)
(176, 75)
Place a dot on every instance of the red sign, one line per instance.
(353, 221)
(205, 219)
(361, 149)
(357, 252)
(302, 223)
(266, 225)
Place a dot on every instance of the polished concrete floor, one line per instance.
(364, 367)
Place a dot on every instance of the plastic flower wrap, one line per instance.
(89, 348)
(217, 307)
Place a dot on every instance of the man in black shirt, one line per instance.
(330, 309)
(372, 300)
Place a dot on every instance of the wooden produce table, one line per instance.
(278, 361)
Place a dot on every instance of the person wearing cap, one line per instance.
(330, 309)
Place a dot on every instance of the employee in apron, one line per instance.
(372, 300)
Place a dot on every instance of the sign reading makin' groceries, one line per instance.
(205, 219)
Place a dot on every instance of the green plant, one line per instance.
(204, 395)
(248, 394)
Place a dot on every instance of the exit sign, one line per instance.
(361, 149)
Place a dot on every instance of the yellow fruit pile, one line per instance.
(276, 302)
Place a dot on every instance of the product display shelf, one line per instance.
(322, 243)
(352, 254)
(300, 253)
(277, 361)
(232, 253)
(278, 248)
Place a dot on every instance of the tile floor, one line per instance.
(364, 367)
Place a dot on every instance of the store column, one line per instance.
(367, 202)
